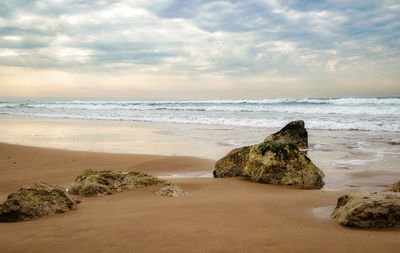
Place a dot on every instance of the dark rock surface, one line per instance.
(233, 163)
(276, 163)
(293, 133)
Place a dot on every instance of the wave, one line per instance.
(377, 114)
(334, 101)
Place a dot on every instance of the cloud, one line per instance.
(266, 39)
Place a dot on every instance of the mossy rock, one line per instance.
(136, 179)
(276, 163)
(37, 200)
(232, 164)
(271, 163)
(92, 182)
(293, 133)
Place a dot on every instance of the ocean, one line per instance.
(363, 114)
(355, 141)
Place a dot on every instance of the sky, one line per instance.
(183, 49)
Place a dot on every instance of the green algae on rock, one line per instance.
(293, 133)
(276, 163)
(92, 182)
(232, 164)
(271, 163)
(375, 210)
(37, 200)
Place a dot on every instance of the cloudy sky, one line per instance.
(199, 48)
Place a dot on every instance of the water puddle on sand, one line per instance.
(189, 175)
(323, 211)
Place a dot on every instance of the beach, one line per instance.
(217, 215)
(199, 126)
(54, 142)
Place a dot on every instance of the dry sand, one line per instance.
(218, 215)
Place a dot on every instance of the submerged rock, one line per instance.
(293, 133)
(37, 200)
(375, 210)
(171, 190)
(91, 182)
(271, 163)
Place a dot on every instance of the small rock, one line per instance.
(171, 190)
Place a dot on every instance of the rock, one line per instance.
(375, 210)
(232, 164)
(293, 133)
(37, 200)
(91, 182)
(171, 190)
(276, 163)
(393, 188)
(271, 163)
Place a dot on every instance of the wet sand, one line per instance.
(342, 155)
(218, 215)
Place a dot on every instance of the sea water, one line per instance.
(364, 114)
(355, 141)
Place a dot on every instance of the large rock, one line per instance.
(276, 163)
(293, 133)
(35, 201)
(271, 163)
(376, 210)
(91, 182)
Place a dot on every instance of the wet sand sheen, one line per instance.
(340, 154)
(218, 215)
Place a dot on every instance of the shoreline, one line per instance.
(348, 158)
(217, 215)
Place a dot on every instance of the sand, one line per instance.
(218, 215)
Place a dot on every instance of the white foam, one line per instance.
(367, 114)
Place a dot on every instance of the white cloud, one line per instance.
(9, 52)
(12, 38)
(225, 39)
